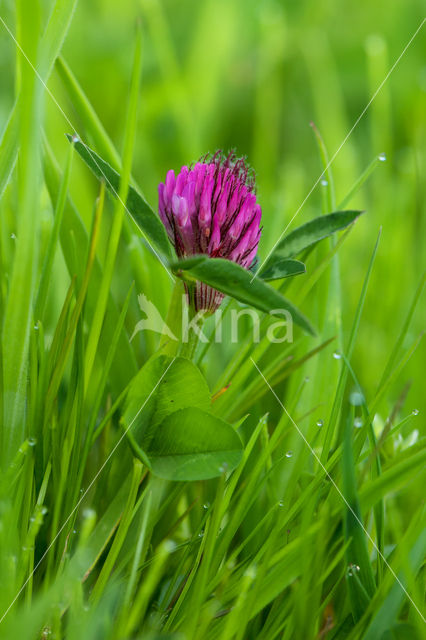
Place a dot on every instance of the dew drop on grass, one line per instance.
(288, 454)
(352, 569)
(75, 138)
(320, 423)
(358, 423)
(382, 157)
(206, 505)
(36, 327)
(415, 412)
(356, 399)
(43, 510)
(12, 235)
(250, 572)
(223, 468)
(307, 379)
(281, 503)
(169, 546)
(32, 442)
(337, 355)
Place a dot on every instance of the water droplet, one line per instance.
(169, 546)
(32, 441)
(206, 505)
(281, 503)
(324, 182)
(382, 157)
(75, 138)
(250, 572)
(307, 379)
(358, 422)
(223, 467)
(36, 326)
(353, 568)
(415, 412)
(12, 235)
(320, 423)
(337, 355)
(356, 399)
(200, 535)
(32, 519)
(289, 454)
(74, 531)
(43, 510)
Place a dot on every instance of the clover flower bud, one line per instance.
(211, 208)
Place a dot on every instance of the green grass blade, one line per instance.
(357, 552)
(18, 311)
(139, 210)
(115, 233)
(88, 115)
(336, 408)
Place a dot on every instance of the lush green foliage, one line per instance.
(236, 488)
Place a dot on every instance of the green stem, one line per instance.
(190, 338)
(173, 321)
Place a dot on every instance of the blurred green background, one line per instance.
(253, 75)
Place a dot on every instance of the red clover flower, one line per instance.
(210, 208)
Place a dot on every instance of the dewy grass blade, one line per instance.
(398, 344)
(18, 311)
(51, 43)
(8, 148)
(360, 181)
(336, 408)
(55, 33)
(357, 553)
(119, 538)
(349, 506)
(62, 360)
(125, 366)
(136, 206)
(53, 240)
(327, 181)
(119, 213)
(87, 114)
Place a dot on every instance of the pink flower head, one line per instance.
(210, 208)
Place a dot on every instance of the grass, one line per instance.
(319, 530)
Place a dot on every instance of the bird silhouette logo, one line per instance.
(153, 321)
